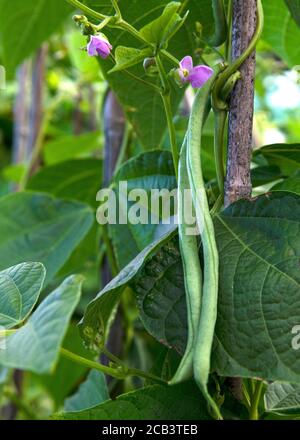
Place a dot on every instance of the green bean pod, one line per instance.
(220, 33)
(208, 312)
(192, 272)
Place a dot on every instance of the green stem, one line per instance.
(162, 74)
(109, 252)
(170, 57)
(87, 10)
(124, 147)
(166, 97)
(220, 124)
(118, 23)
(112, 357)
(117, 9)
(229, 26)
(120, 373)
(220, 23)
(4, 333)
(254, 415)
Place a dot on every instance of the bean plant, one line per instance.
(119, 312)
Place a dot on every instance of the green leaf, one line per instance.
(285, 156)
(294, 7)
(281, 32)
(157, 30)
(291, 184)
(96, 319)
(26, 25)
(35, 346)
(66, 375)
(78, 179)
(87, 66)
(262, 175)
(177, 402)
(283, 398)
(128, 56)
(72, 147)
(91, 393)
(14, 173)
(160, 294)
(38, 227)
(20, 288)
(143, 106)
(147, 171)
(259, 295)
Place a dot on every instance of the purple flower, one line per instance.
(197, 75)
(99, 45)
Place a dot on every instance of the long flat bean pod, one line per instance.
(192, 271)
(208, 312)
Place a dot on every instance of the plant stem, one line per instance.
(254, 415)
(4, 333)
(229, 26)
(87, 10)
(125, 145)
(109, 252)
(120, 373)
(170, 57)
(116, 7)
(166, 97)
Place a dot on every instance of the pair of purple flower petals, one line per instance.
(99, 45)
(187, 73)
(197, 75)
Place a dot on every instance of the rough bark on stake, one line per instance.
(238, 180)
(21, 115)
(37, 95)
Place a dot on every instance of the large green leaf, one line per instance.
(259, 296)
(89, 71)
(91, 393)
(35, 346)
(38, 227)
(78, 179)
(25, 25)
(143, 106)
(72, 147)
(291, 184)
(146, 171)
(285, 156)
(66, 374)
(283, 398)
(20, 287)
(281, 32)
(159, 289)
(95, 322)
(157, 402)
(294, 7)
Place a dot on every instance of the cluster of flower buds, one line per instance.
(186, 73)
